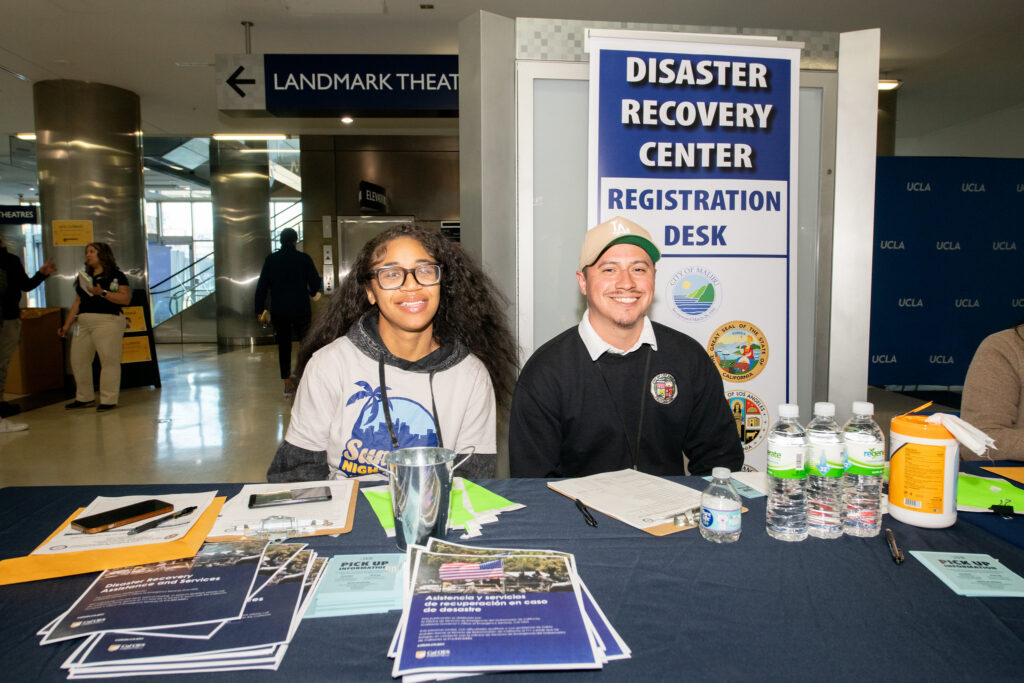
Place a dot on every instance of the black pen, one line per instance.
(586, 513)
(157, 522)
(897, 554)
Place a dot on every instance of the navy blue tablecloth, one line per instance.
(757, 609)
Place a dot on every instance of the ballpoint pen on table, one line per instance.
(586, 513)
(897, 554)
(157, 522)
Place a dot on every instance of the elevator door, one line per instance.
(355, 231)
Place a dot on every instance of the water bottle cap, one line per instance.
(825, 409)
(863, 408)
(721, 473)
(789, 410)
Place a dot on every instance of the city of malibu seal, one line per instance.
(751, 415)
(664, 388)
(740, 350)
(695, 293)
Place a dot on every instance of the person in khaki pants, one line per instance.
(102, 289)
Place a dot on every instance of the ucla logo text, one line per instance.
(1004, 246)
(907, 302)
(967, 303)
(919, 187)
(948, 245)
(890, 244)
(883, 359)
(940, 360)
(972, 187)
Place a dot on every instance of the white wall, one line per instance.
(998, 135)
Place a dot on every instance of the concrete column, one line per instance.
(240, 185)
(89, 150)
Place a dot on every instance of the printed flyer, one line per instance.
(212, 586)
(486, 614)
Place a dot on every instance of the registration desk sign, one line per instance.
(695, 139)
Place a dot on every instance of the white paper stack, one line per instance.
(474, 610)
(234, 606)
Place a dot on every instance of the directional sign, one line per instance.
(330, 85)
(234, 81)
(240, 83)
(18, 215)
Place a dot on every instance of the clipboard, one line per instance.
(38, 567)
(659, 529)
(343, 528)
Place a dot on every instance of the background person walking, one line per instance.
(292, 278)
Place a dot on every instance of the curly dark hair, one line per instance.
(105, 255)
(471, 308)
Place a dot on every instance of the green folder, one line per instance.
(984, 492)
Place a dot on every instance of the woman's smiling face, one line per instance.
(412, 307)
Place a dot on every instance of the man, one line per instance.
(619, 391)
(292, 278)
(13, 281)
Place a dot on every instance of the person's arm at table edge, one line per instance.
(991, 401)
(712, 440)
(534, 432)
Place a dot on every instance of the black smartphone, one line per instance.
(112, 519)
(290, 497)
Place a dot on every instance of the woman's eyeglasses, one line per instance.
(393, 277)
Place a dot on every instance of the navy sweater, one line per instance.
(568, 420)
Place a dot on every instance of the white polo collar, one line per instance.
(596, 346)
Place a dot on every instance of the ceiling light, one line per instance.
(347, 120)
(249, 136)
(889, 83)
(26, 136)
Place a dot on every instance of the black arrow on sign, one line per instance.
(234, 81)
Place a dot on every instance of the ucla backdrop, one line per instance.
(695, 140)
(948, 264)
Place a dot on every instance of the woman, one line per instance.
(102, 289)
(992, 399)
(414, 350)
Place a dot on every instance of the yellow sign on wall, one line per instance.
(136, 318)
(71, 233)
(135, 350)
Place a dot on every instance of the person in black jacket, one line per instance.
(292, 278)
(619, 391)
(13, 281)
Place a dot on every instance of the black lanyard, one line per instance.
(387, 410)
(633, 451)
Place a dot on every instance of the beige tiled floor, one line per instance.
(217, 418)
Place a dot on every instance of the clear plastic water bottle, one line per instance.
(826, 462)
(720, 509)
(786, 519)
(862, 483)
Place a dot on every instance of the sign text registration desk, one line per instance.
(757, 609)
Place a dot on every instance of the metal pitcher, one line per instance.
(420, 480)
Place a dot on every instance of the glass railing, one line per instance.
(182, 289)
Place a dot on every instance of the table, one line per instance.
(758, 609)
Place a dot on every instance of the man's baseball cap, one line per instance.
(615, 231)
